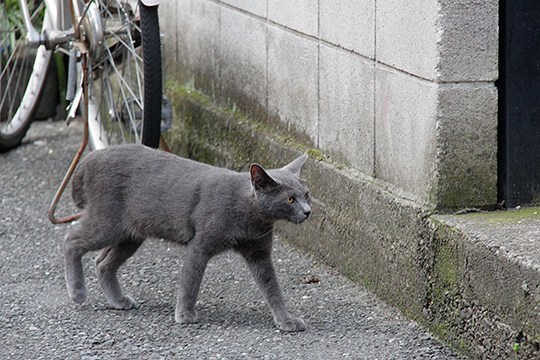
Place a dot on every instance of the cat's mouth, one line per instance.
(298, 219)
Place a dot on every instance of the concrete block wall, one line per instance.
(401, 91)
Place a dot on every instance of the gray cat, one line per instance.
(130, 193)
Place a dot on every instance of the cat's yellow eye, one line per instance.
(290, 200)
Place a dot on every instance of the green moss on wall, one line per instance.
(509, 217)
(199, 130)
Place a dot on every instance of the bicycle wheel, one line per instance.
(118, 80)
(23, 70)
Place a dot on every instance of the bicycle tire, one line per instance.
(122, 73)
(23, 71)
(152, 74)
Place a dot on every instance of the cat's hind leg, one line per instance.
(107, 264)
(75, 246)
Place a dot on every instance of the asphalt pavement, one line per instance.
(38, 321)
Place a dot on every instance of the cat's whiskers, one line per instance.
(266, 233)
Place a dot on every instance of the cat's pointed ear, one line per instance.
(259, 178)
(296, 165)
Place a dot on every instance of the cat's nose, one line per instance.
(307, 212)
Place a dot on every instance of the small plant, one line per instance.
(12, 12)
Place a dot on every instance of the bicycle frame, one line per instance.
(62, 24)
(62, 30)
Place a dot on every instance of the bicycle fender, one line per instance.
(151, 2)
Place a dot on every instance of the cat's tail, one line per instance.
(77, 186)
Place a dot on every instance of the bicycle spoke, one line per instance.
(119, 73)
(121, 78)
(18, 65)
(117, 90)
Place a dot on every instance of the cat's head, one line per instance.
(280, 193)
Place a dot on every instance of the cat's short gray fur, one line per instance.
(130, 193)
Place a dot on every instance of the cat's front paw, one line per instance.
(77, 295)
(186, 317)
(291, 324)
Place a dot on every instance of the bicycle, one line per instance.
(114, 72)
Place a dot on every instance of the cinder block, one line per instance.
(436, 141)
(467, 145)
(407, 36)
(300, 15)
(405, 131)
(197, 27)
(255, 7)
(346, 113)
(445, 40)
(469, 44)
(292, 81)
(243, 58)
(349, 24)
